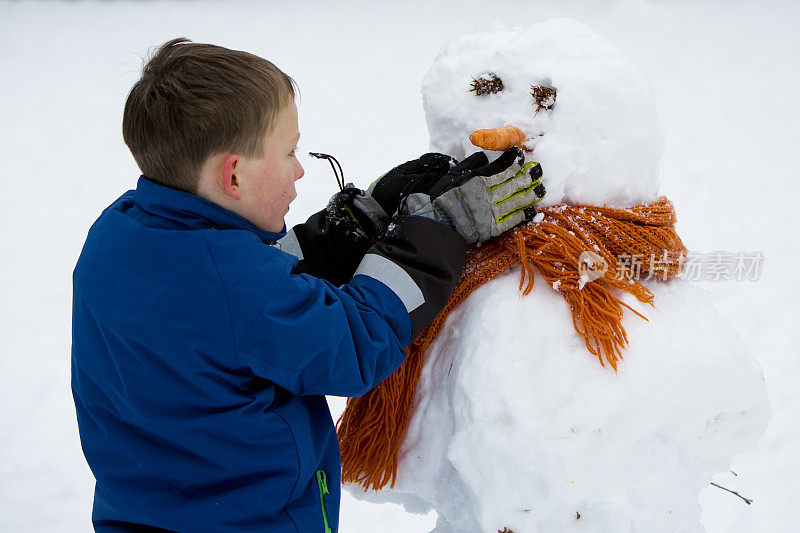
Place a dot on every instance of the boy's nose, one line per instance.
(300, 172)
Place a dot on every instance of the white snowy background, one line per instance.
(725, 76)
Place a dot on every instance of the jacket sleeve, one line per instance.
(314, 338)
(420, 260)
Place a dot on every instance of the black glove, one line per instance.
(410, 177)
(362, 216)
(481, 200)
(476, 165)
(331, 243)
(357, 216)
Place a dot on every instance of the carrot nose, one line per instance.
(497, 139)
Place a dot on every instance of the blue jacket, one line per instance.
(200, 364)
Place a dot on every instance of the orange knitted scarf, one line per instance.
(570, 241)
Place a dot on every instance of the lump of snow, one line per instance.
(515, 425)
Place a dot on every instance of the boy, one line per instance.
(205, 337)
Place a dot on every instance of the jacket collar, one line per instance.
(193, 211)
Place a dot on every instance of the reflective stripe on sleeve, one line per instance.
(393, 276)
(291, 245)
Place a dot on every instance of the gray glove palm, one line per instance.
(481, 202)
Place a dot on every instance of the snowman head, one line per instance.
(583, 110)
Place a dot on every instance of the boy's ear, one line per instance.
(229, 181)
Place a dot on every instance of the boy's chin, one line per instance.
(272, 226)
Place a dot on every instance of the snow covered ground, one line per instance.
(724, 76)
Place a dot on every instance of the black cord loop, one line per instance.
(339, 175)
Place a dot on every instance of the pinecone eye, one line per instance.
(486, 84)
(544, 97)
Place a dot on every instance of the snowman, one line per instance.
(515, 427)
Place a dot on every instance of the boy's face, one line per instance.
(267, 183)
